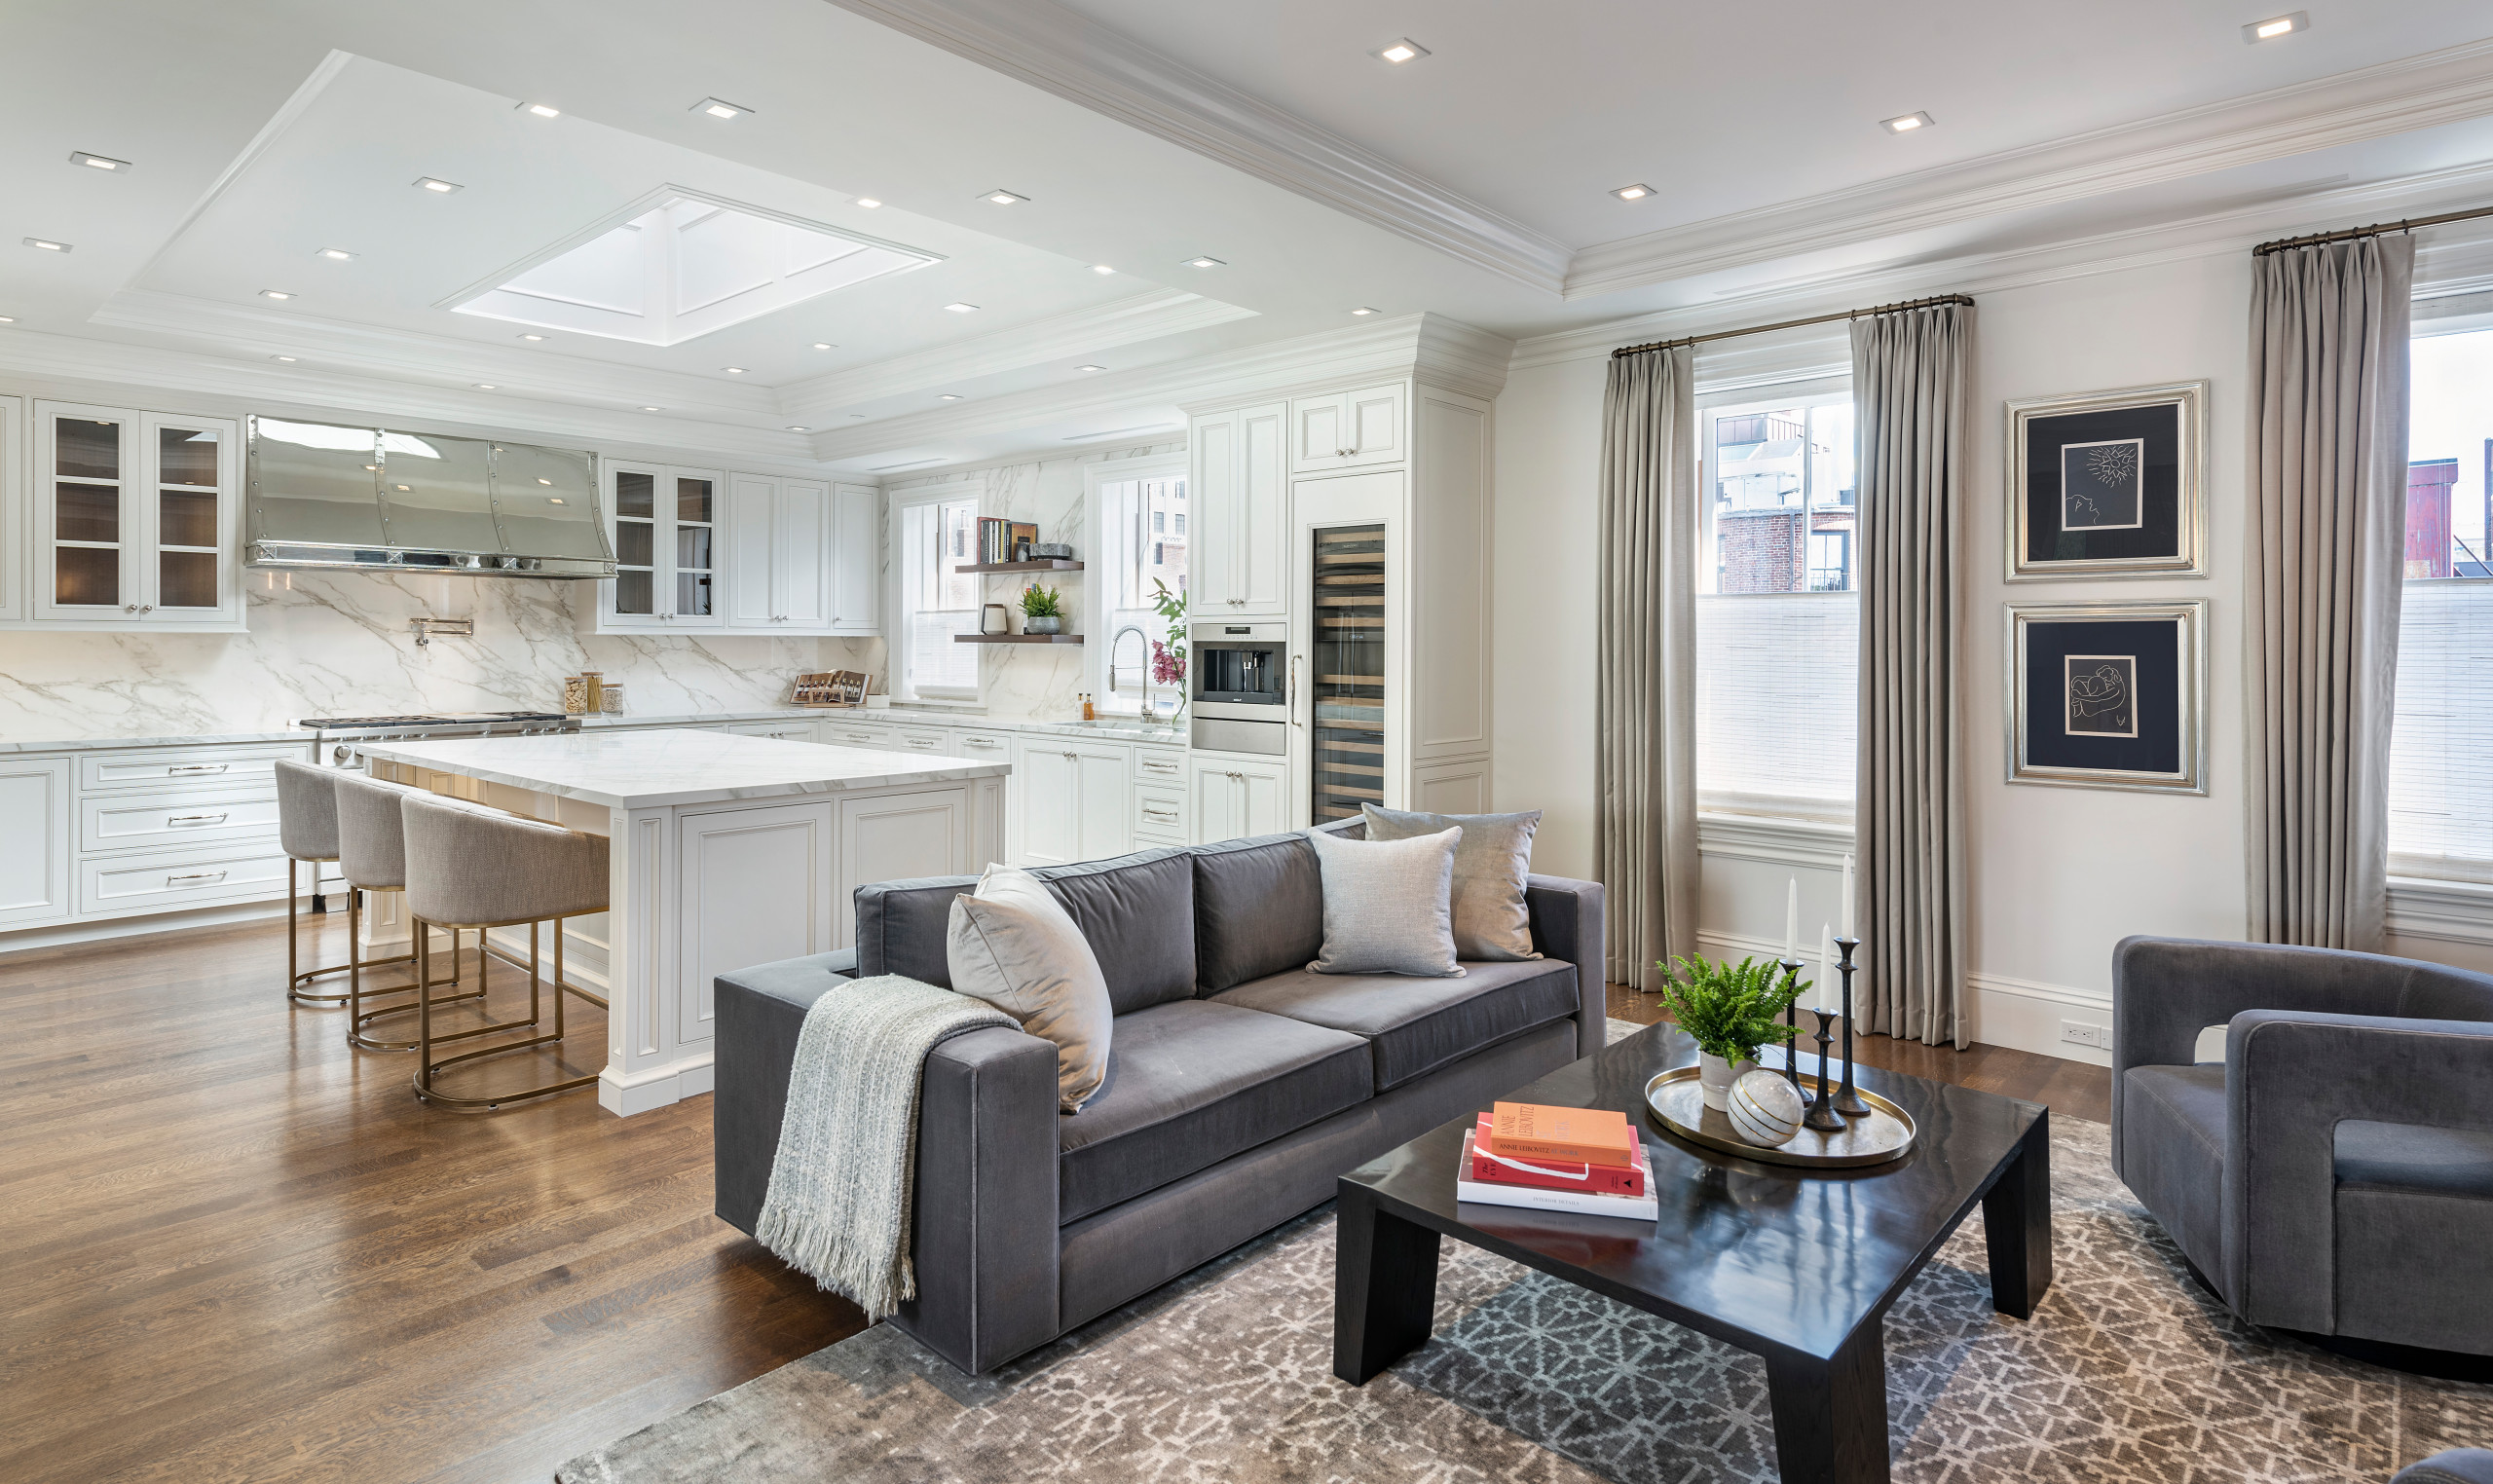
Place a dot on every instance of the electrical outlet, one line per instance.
(2079, 1033)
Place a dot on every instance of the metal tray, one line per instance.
(1886, 1132)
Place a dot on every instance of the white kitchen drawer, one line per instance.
(927, 741)
(251, 871)
(1165, 764)
(783, 732)
(1159, 814)
(856, 734)
(177, 817)
(982, 746)
(203, 766)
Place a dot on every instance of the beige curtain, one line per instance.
(1646, 721)
(2326, 554)
(1909, 374)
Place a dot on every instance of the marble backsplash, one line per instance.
(324, 645)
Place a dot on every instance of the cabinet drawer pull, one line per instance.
(987, 744)
(921, 743)
(1160, 817)
(1158, 765)
(194, 819)
(194, 875)
(196, 767)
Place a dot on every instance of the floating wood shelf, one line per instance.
(1043, 564)
(1016, 639)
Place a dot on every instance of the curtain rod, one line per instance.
(1759, 330)
(2376, 229)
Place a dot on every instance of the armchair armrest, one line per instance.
(1567, 923)
(2166, 990)
(2290, 1078)
(982, 1236)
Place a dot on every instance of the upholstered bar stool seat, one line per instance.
(372, 855)
(307, 829)
(473, 866)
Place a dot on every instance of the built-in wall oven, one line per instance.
(1241, 687)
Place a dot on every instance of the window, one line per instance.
(1138, 556)
(2441, 792)
(1778, 616)
(1159, 522)
(937, 532)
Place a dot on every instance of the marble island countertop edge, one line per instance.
(619, 784)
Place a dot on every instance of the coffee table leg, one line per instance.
(1385, 1286)
(2017, 1225)
(1831, 1415)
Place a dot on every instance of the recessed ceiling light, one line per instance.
(47, 245)
(825, 344)
(1633, 192)
(1205, 263)
(1400, 51)
(335, 254)
(1905, 122)
(532, 337)
(8, 319)
(2280, 25)
(274, 293)
(1006, 197)
(799, 427)
(1090, 368)
(288, 359)
(97, 161)
(653, 409)
(958, 308)
(951, 397)
(553, 499)
(436, 184)
(719, 108)
(732, 370)
(543, 111)
(545, 481)
(867, 202)
(483, 385)
(1363, 309)
(1102, 268)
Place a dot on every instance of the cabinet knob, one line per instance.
(129, 607)
(147, 607)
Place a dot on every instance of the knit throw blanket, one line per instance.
(842, 1181)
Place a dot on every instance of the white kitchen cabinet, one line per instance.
(901, 838)
(136, 522)
(792, 730)
(756, 889)
(1348, 429)
(777, 576)
(168, 880)
(1073, 800)
(924, 741)
(35, 820)
(665, 525)
(1240, 490)
(1230, 799)
(1160, 764)
(13, 510)
(1159, 815)
(856, 559)
(838, 732)
(982, 746)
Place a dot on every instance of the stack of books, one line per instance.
(1002, 540)
(1587, 1160)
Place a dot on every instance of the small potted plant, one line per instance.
(1732, 1010)
(1040, 612)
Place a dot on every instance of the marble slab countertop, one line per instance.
(656, 770)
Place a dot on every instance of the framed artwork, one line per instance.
(2108, 484)
(2108, 695)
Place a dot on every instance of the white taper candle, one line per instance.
(1792, 920)
(1824, 996)
(1847, 896)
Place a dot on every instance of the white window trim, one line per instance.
(1096, 478)
(896, 591)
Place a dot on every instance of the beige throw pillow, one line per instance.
(1491, 922)
(1386, 904)
(1010, 944)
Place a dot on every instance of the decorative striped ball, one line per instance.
(1765, 1110)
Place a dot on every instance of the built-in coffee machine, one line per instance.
(1241, 686)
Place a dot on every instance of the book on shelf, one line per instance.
(1531, 1130)
(1485, 1163)
(1638, 1208)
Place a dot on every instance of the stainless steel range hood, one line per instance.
(328, 496)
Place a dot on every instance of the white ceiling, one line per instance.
(1470, 183)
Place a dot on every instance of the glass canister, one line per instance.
(575, 695)
(609, 698)
(596, 683)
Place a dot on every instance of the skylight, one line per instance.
(685, 268)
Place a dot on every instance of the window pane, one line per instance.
(1141, 550)
(2440, 793)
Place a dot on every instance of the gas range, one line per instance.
(340, 735)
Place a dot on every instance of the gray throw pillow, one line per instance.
(1386, 905)
(1491, 922)
(1013, 944)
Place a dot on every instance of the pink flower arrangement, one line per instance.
(1167, 669)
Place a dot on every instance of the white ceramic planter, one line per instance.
(1715, 1076)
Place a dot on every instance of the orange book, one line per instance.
(1528, 1130)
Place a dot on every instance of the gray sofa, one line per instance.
(2334, 1174)
(1240, 1085)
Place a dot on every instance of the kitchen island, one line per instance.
(728, 851)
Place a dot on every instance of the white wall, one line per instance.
(2059, 875)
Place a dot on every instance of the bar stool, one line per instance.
(372, 854)
(473, 866)
(307, 829)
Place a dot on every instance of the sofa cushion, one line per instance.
(2172, 1155)
(1414, 1026)
(1137, 911)
(1190, 1083)
(1259, 908)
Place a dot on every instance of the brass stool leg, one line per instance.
(426, 1087)
(297, 976)
(362, 1019)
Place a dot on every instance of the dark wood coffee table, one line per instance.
(1795, 1266)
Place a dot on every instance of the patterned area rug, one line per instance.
(2127, 1374)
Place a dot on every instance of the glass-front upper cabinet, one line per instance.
(135, 514)
(666, 529)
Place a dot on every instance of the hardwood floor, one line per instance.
(232, 1249)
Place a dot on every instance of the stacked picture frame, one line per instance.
(2110, 693)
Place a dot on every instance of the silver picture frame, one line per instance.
(2191, 402)
(2190, 616)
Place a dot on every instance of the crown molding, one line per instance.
(1062, 51)
(1082, 332)
(2448, 85)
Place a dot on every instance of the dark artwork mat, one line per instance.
(2154, 645)
(2156, 481)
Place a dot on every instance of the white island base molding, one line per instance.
(728, 851)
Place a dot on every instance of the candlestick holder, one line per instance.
(1822, 1115)
(1847, 1099)
(1791, 968)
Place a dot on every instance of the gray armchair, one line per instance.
(2334, 1173)
(2457, 1466)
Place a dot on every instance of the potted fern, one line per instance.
(1041, 611)
(1730, 1010)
